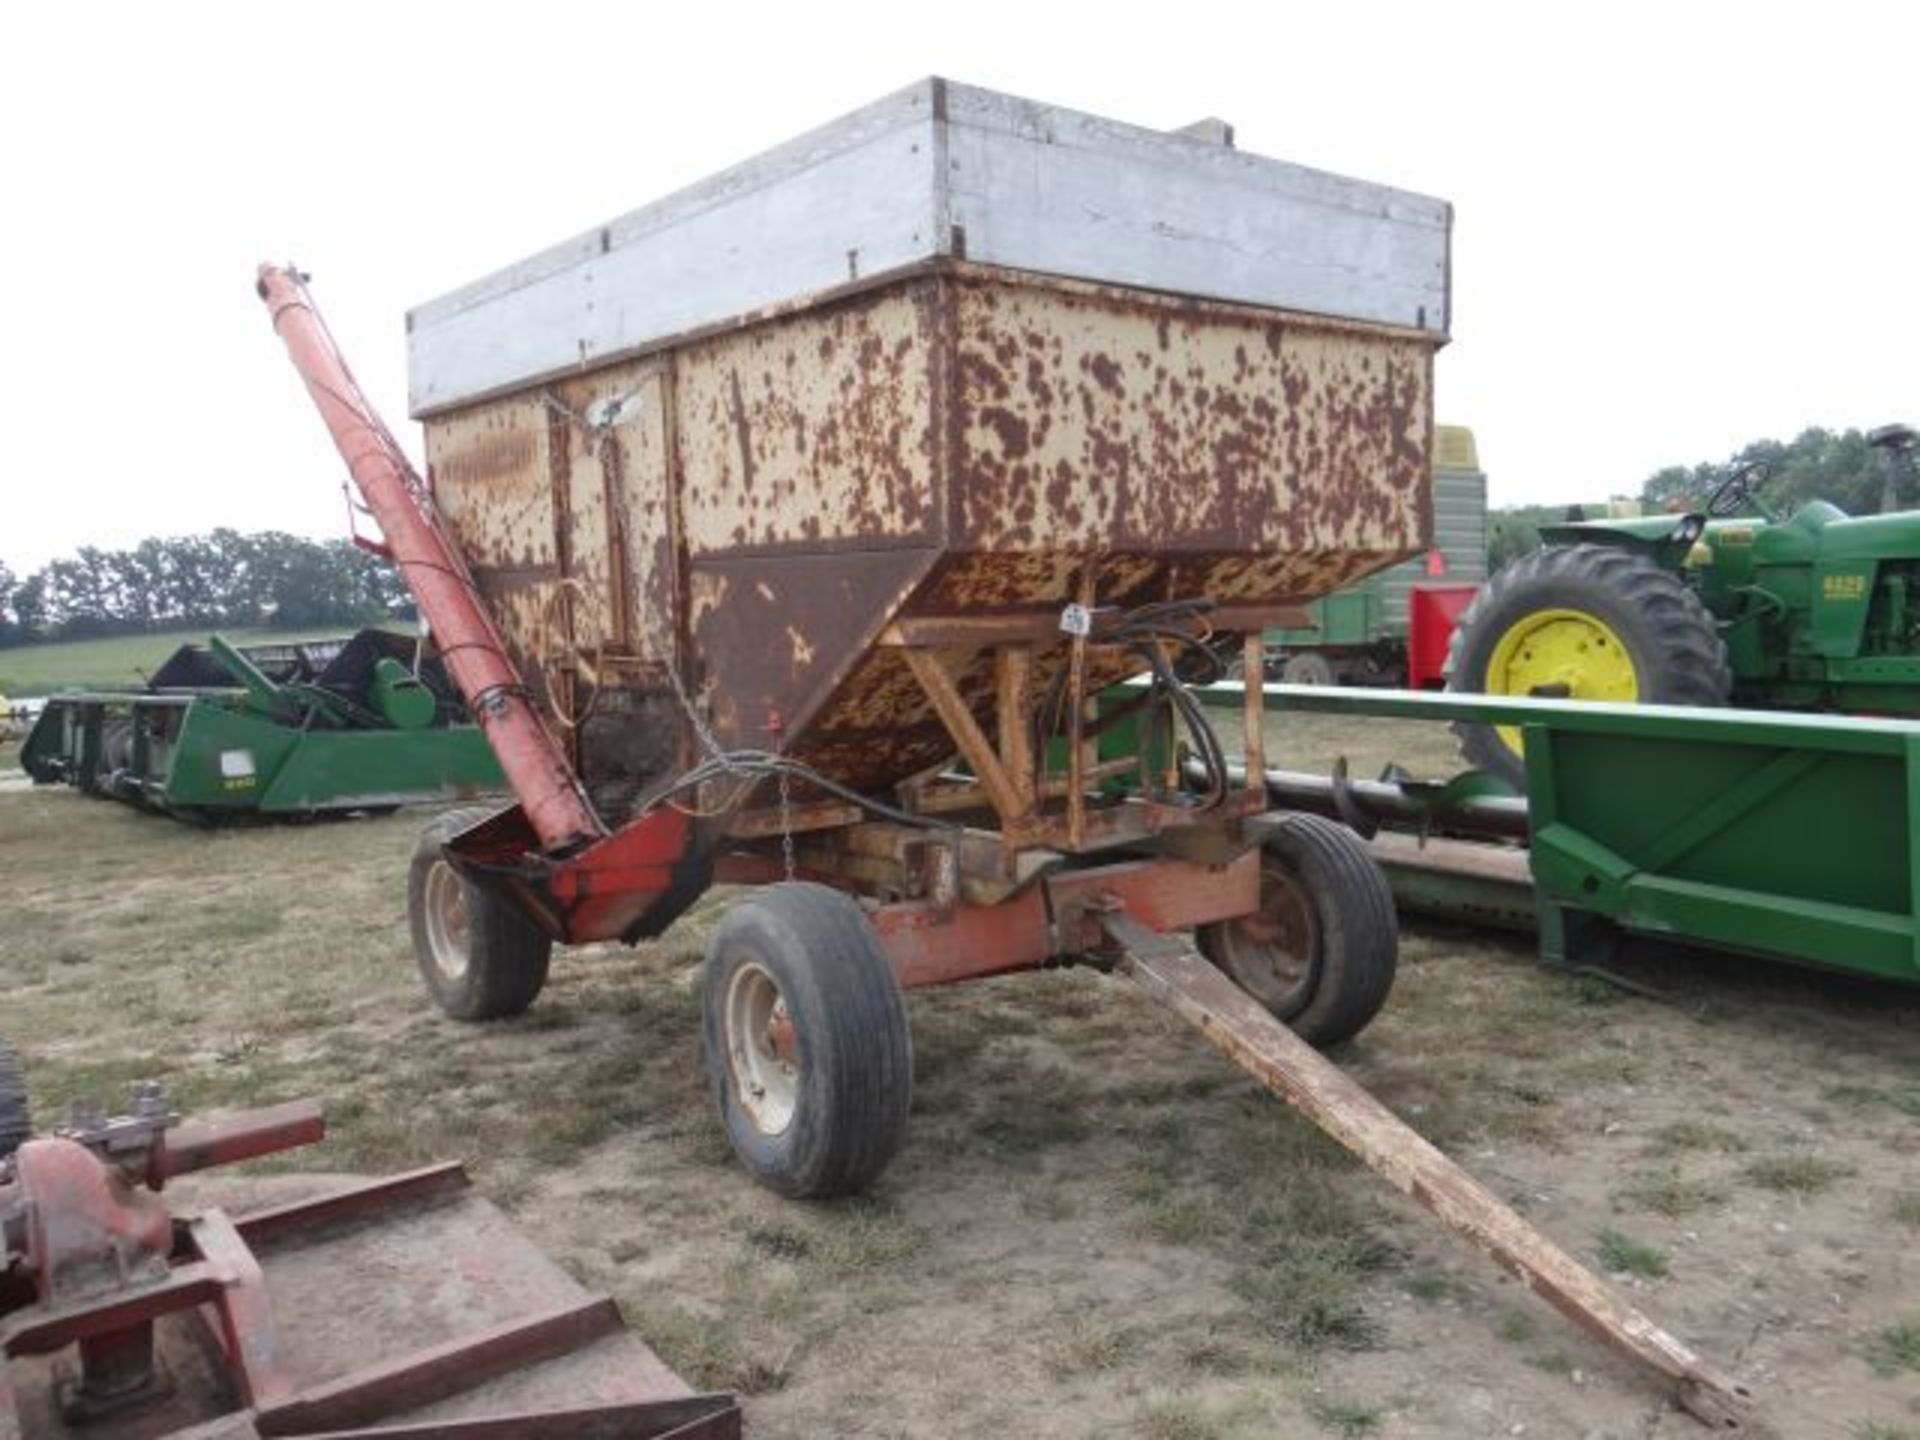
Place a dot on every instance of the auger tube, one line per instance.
(470, 644)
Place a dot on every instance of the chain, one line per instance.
(786, 823)
(600, 435)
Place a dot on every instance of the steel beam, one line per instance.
(691, 1417)
(438, 1371)
(1059, 916)
(201, 1144)
(431, 1182)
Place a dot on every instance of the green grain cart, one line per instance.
(364, 722)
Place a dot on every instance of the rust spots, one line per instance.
(978, 372)
(490, 459)
(840, 443)
(1106, 373)
(495, 484)
(1010, 428)
(775, 633)
(1243, 433)
(742, 433)
(1038, 390)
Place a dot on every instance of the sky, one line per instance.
(1678, 227)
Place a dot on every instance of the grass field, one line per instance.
(117, 661)
(1096, 1227)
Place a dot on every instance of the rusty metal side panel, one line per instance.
(491, 468)
(613, 432)
(814, 431)
(811, 492)
(774, 635)
(490, 472)
(958, 442)
(1096, 419)
(563, 502)
(880, 727)
(621, 530)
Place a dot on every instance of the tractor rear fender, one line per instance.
(1663, 539)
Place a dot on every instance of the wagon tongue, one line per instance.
(1169, 970)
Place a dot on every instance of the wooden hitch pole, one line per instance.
(1169, 969)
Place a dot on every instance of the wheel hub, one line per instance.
(762, 1049)
(449, 920)
(1561, 652)
(1271, 952)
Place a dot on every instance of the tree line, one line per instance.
(224, 579)
(1818, 464)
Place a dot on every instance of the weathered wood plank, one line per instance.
(1169, 969)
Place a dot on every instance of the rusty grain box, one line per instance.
(955, 354)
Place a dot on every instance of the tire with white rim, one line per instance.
(806, 1038)
(480, 957)
(1321, 951)
(1307, 667)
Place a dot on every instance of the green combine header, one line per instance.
(364, 722)
(1789, 837)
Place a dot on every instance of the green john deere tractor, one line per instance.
(1730, 604)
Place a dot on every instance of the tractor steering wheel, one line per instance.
(1740, 489)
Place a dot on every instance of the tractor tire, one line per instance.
(1307, 667)
(481, 958)
(1627, 630)
(16, 1121)
(806, 1041)
(1321, 951)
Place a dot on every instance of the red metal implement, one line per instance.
(470, 643)
(459, 1330)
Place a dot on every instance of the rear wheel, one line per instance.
(1307, 667)
(1582, 622)
(481, 958)
(1321, 950)
(16, 1121)
(807, 1046)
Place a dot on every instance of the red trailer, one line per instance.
(805, 574)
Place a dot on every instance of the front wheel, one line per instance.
(807, 1046)
(1321, 951)
(480, 957)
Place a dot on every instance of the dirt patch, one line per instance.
(1096, 1227)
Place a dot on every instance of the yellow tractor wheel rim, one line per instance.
(1548, 649)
